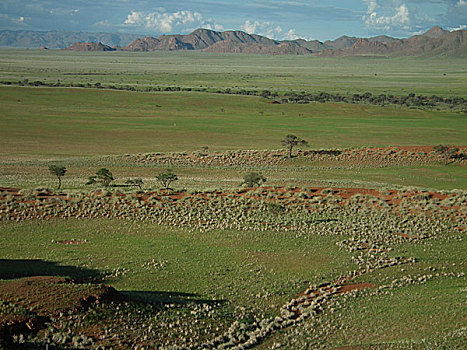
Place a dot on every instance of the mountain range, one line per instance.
(434, 42)
(59, 39)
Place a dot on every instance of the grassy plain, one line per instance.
(398, 76)
(45, 122)
(250, 273)
(45, 125)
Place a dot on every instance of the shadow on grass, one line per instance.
(11, 269)
(161, 298)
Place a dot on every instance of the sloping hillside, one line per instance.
(435, 42)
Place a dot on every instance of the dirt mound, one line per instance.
(49, 296)
(27, 304)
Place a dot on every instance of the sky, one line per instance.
(278, 19)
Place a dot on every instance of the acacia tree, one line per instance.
(103, 176)
(166, 178)
(291, 141)
(59, 172)
(253, 179)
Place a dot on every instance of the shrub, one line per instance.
(166, 178)
(253, 179)
(103, 176)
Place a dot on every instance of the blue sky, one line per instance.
(309, 19)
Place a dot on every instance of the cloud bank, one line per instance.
(169, 22)
(408, 17)
(269, 30)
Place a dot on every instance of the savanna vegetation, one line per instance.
(192, 200)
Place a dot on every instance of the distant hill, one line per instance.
(60, 39)
(341, 43)
(89, 47)
(435, 42)
(200, 39)
(285, 48)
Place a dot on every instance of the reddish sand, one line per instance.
(351, 287)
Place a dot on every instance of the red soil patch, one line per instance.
(347, 193)
(351, 287)
(9, 189)
(437, 195)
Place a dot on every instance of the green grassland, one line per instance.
(41, 126)
(206, 265)
(44, 122)
(399, 76)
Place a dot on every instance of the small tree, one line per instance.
(291, 141)
(59, 172)
(446, 151)
(103, 176)
(166, 178)
(253, 179)
(135, 182)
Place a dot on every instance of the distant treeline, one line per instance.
(410, 100)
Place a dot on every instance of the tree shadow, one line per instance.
(321, 220)
(11, 269)
(166, 298)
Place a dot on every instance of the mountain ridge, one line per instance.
(59, 39)
(434, 42)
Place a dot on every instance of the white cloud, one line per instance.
(461, 27)
(269, 30)
(409, 17)
(291, 35)
(399, 19)
(103, 23)
(261, 28)
(166, 22)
